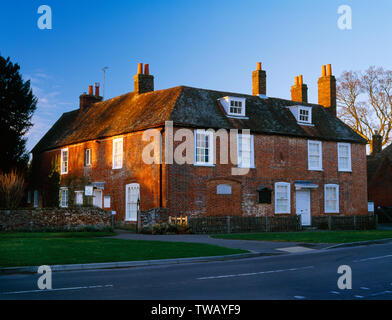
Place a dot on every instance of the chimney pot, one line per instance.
(301, 80)
(329, 70)
(146, 69)
(90, 90)
(296, 81)
(258, 65)
(299, 91)
(140, 68)
(323, 71)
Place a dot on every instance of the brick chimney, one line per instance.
(259, 80)
(143, 82)
(86, 100)
(299, 91)
(376, 143)
(327, 89)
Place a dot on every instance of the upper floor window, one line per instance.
(331, 198)
(117, 153)
(315, 159)
(63, 197)
(87, 157)
(282, 197)
(64, 161)
(246, 158)
(234, 106)
(344, 157)
(302, 114)
(204, 147)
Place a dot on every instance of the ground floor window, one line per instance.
(35, 198)
(63, 197)
(282, 197)
(79, 198)
(331, 195)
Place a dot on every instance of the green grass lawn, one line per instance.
(34, 249)
(312, 237)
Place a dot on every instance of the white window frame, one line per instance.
(76, 198)
(35, 199)
(226, 103)
(121, 155)
(336, 209)
(309, 110)
(288, 210)
(63, 204)
(87, 159)
(252, 151)
(320, 146)
(210, 149)
(64, 164)
(340, 168)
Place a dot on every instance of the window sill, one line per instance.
(331, 212)
(282, 212)
(204, 165)
(349, 171)
(320, 170)
(253, 167)
(117, 168)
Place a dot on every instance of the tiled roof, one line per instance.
(187, 106)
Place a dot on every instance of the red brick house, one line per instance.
(301, 158)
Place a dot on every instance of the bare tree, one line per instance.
(365, 102)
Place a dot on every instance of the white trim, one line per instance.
(348, 169)
(252, 151)
(320, 148)
(288, 209)
(210, 149)
(309, 110)
(327, 210)
(64, 165)
(114, 154)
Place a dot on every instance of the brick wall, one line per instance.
(53, 219)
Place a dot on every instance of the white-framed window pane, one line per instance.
(245, 145)
(344, 157)
(63, 197)
(87, 157)
(282, 197)
(117, 153)
(331, 194)
(79, 197)
(203, 147)
(64, 161)
(314, 155)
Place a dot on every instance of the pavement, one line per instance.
(297, 276)
(264, 247)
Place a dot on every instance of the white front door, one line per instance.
(97, 198)
(132, 195)
(303, 206)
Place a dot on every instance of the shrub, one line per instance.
(166, 228)
(12, 187)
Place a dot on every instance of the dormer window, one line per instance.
(302, 114)
(234, 106)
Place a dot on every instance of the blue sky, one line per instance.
(207, 44)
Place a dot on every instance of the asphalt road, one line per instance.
(299, 276)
